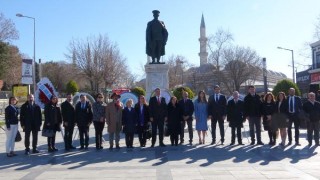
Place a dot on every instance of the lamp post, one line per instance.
(293, 75)
(34, 50)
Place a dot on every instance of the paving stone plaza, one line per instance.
(170, 162)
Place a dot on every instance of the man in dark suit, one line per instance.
(312, 108)
(252, 112)
(295, 107)
(68, 118)
(158, 114)
(83, 119)
(187, 109)
(30, 120)
(235, 117)
(217, 110)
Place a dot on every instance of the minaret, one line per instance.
(203, 43)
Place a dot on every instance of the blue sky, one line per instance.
(261, 25)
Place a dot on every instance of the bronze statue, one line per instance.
(156, 38)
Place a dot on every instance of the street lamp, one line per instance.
(293, 75)
(34, 50)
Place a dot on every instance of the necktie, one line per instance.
(159, 102)
(291, 104)
(217, 97)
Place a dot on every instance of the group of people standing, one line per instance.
(275, 114)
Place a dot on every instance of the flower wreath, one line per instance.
(44, 91)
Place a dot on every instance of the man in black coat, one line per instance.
(83, 119)
(252, 112)
(158, 114)
(235, 117)
(295, 106)
(187, 109)
(217, 110)
(312, 108)
(68, 118)
(30, 120)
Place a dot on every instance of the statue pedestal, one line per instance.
(156, 76)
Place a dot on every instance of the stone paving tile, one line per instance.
(181, 162)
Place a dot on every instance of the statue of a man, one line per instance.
(156, 37)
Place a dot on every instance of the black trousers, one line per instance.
(157, 124)
(174, 137)
(233, 134)
(220, 122)
(34, 138)
(313, 129)
(293, 119)
(84, 135)
(52, 141)
(98, 126)
(190, 130)
(68, 135)
(129, 139)
(255, 122)
(142, 135)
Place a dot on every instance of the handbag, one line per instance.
(18, 137)
(47, 132)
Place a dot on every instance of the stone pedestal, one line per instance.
(156, 76)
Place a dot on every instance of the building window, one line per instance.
(318, 60)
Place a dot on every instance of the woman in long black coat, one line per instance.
(174, 120)
(268, 109)
(143, 117)
(129, 122)
(235, 117)
(53, 120)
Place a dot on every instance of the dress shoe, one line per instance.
(289, 143)
(35, 151)
(162, 145)
(72, 147)
(231, 143)
(240, 143)
(9, 155)
(81, 148)
(213, 142)
(152, 145)
(252, 143)
(117, 147)
(55, 149)
(310, 144)
(111, 148)
(298, 144)
(27, 152)
(86, 148)
(181, 142)
(260, 143)
(50, 150)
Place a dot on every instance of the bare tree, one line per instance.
(216, 45)
(60, 73)
(240, 65)
(7, 29)
(177, 66)
(317, 29)
(100, 60)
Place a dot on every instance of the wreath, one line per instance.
(44, 91)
